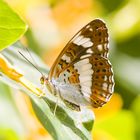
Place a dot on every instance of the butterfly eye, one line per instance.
(42, 80)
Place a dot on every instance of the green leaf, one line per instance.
(130, 46)
(65, 124)
(120, 126)
(126, 71)
(32, 43)
(8, 134)
(11, 26)
(136, 112)
(112, 5)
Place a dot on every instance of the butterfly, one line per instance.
(82, 74)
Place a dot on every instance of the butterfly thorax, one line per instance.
(45, 81)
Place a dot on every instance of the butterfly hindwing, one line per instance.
(93, 77)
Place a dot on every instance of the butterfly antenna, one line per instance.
(32, 57)
(35, 66)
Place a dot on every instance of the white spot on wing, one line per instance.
(82, 62)
(111, 87)
(87, 26)
(89, 50)
(91, 29)
(105, 78)
(87, 44)
(87, 83)
(111, 78)
(87, 72)
(67, 58)
(83, 40)
(85, 67)
(105, 86)
(85, 78)
(84, 56)
(100, 47)
(109, 62)
(77, 39)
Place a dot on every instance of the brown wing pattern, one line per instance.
(102, 81)
(93, 76)
(84, 64)
(96, 32)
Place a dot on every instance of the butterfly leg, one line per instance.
(42, 88)
(55, 106)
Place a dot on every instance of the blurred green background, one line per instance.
(51, 24)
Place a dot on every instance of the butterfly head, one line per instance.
(43, 80)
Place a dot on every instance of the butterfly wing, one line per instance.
(83, 68)
(92, 38)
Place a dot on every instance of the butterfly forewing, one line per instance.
(83, 67)
(93, 38)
